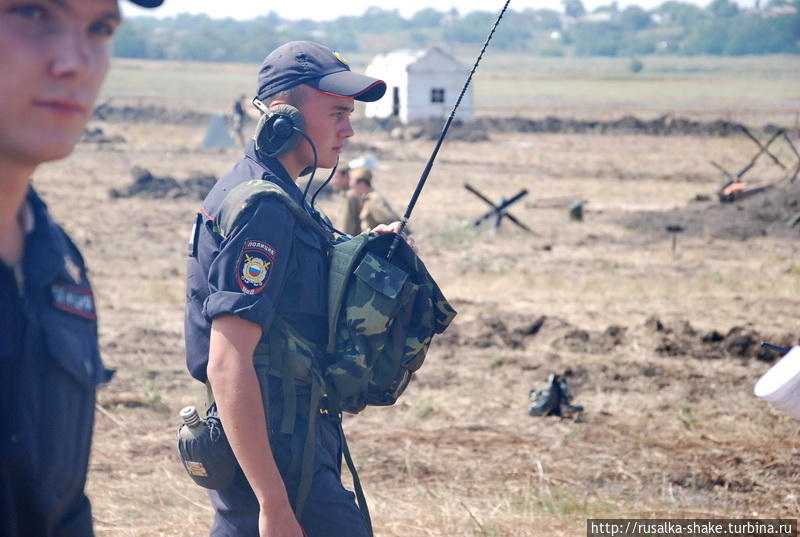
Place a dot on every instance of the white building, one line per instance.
(420, 84)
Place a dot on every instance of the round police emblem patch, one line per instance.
(255, 266)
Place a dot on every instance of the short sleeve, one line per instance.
(247, 277)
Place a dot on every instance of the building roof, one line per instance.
(402, 59)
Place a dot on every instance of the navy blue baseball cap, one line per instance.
(306, 62)
(148, 3)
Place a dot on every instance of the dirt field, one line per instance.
(660, 337)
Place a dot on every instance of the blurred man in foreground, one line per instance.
(54, 56)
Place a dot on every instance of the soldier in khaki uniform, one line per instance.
(375, 209)
(349, 202)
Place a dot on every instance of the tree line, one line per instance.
(674, 27)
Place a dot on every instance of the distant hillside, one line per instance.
(674, 27)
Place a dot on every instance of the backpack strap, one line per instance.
(362, 500)
(246, 194)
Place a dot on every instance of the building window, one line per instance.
(437, 95)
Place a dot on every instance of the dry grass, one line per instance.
(668, 436)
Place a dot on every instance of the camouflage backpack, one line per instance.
(382, 316)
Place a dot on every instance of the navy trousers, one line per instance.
(330, 510)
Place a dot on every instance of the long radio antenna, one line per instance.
(429, 165)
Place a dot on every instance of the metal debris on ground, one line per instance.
(735, 188)
(499, 210)
(576, 211)
(555, 400)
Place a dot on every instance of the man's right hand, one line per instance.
(279, 523)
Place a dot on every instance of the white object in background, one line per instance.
(781, 384)
(364, 161)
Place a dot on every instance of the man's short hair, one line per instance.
(294, 95)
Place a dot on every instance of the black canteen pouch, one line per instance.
(206, 455)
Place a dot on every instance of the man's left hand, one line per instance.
(394, 227)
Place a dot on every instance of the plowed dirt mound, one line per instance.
(773, 212)
(146, 185)
(149, 114)
(479, 129)
(508, 330)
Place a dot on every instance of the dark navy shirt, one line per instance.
(268, 264)
(49, 369)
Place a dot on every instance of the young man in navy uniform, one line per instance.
(53, 58)
(272, 268)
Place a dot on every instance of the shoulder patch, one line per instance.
(255, 266)
(74, 299)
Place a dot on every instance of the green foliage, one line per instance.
(723, 9)
(612, 8)
(675, 26)
(384, 20)
(686, 417)
(470, 29)
(708, 37)
(756, 35)
(516, 34)
(573, 8)
(131, 41)
(597, 39)
(742, 34)
(427, 18)
(547, 19)
(497, 362)
(634, 18)
(426, 412)
(474, 27)
(680, 14)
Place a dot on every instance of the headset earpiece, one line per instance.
(276, 133)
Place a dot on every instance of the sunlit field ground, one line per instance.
(670, 426)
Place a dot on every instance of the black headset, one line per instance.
(279, 130)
